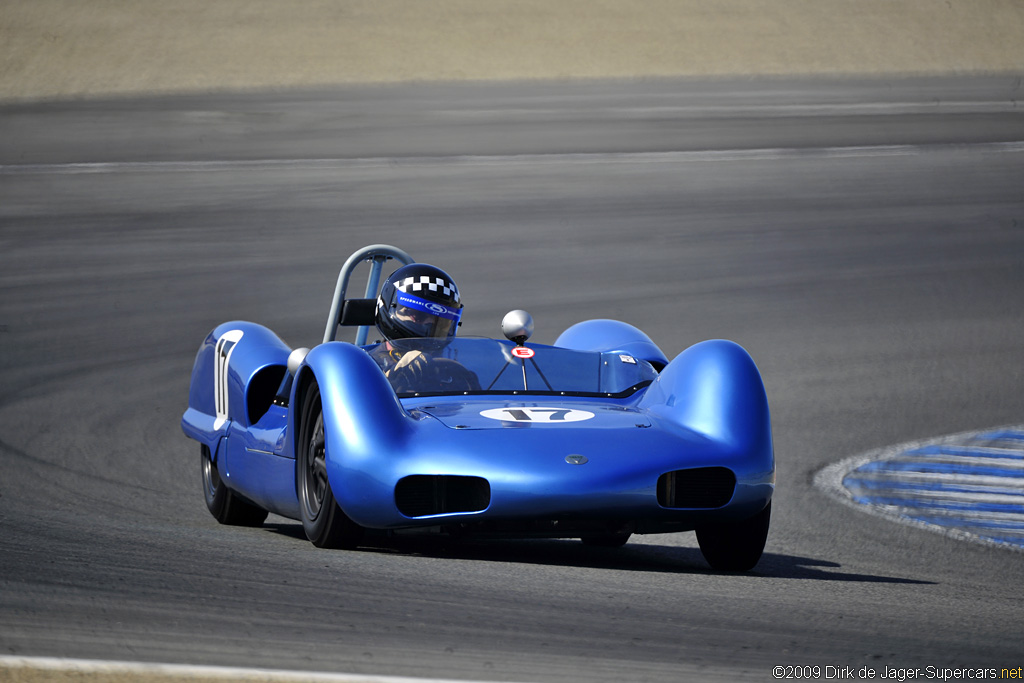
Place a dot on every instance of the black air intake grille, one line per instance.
(421, 495)
(701, 487)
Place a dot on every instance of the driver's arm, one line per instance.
(410, 367)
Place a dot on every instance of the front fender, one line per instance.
(713, 388)
(364, 421)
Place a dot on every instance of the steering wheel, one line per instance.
(433, 374)
(445, 374)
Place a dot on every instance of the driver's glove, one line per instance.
(408, 372)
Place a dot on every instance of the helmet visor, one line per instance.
(422, 318)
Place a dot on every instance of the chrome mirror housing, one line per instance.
(517, 326)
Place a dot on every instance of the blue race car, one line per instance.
(596, 437)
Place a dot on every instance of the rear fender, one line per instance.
(236, 361)
(612, 336)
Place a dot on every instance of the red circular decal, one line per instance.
(522, 352)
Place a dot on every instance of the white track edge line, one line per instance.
(981, 481)
(101, 666)
(932, 496)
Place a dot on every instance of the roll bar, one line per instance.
(377, 254)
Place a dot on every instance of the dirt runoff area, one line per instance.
(71, 48)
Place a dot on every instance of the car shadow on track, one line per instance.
(635, 557)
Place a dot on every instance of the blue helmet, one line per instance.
(418, 300)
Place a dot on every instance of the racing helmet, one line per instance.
(418, 300)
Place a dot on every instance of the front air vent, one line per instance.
(422, 495)
(701, 487)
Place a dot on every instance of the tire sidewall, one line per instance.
(735, 546)
(214, 490)
(326, 526)
(313, 518)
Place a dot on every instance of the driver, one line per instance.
(418, 301)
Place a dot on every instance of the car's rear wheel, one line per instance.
(735, 546)
(225, 506)
(324, 522)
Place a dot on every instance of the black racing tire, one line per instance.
(607, 540)
(323, 520)
(224, 505)
(735, 546)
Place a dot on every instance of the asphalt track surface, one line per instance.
(864, 240)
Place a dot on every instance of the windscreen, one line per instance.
(489, 366)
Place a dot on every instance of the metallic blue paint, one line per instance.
(713, 388)
(613, 336)
(707, 408)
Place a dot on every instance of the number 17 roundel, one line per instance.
(536, 414)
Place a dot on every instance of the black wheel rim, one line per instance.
(315, 470)
(211, 477)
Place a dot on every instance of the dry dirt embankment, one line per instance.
(70, 48)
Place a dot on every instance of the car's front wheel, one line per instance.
(225, 506)
(735, 546)
(325, 523)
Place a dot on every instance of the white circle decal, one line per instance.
(537, 414)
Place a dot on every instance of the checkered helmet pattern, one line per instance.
(420, 284)
(425, 282)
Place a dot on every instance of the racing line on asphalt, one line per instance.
(763, 154)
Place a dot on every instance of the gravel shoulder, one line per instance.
(72, 49)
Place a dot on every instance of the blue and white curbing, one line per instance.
(968, 486)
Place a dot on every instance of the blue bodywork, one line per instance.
(689, 443)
